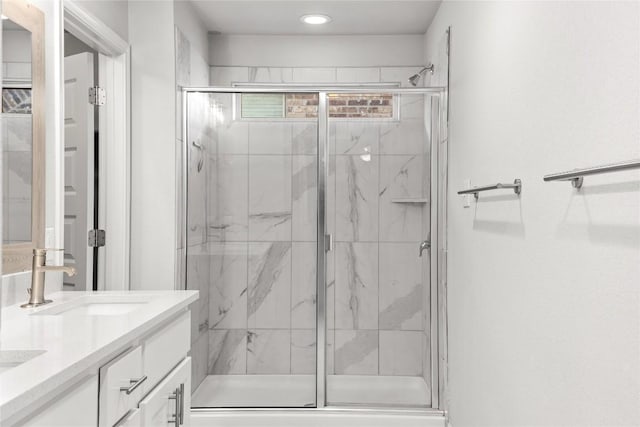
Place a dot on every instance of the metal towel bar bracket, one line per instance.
(576, 176)
(516, 186)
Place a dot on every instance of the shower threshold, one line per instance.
(289, 391)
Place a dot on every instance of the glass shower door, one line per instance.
(251, 249)
(378, 294)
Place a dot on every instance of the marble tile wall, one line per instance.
(195, 273)
(261, 231)
(261, 234)
(378, 276)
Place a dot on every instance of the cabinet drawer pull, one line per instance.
(134, 385)
(181, 403)
(176, 396)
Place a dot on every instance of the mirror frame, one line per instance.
(17, 257)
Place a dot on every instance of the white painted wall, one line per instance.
(315, 51)
(153, 147)
(543, 290)
(113, 13)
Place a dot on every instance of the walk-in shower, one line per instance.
(306, 208)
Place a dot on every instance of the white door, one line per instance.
(78, 169)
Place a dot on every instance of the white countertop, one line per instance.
(72, 344)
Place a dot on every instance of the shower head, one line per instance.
(416, 77)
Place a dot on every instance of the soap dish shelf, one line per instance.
(416, 201)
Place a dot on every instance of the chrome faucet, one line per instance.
(426, 244)
(36, 293)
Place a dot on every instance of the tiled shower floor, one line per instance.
(249, 391)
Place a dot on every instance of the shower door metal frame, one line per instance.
(437, 365)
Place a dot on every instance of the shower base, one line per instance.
(264, 391)
(311, 418)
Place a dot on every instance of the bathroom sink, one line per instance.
(9, 359)
(95, 305)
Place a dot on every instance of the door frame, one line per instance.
(114, 194)
(437, 259)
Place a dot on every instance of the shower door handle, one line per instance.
(328, 242)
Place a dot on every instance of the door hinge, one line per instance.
(96, 238)
(97, 96)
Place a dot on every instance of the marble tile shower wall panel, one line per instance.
(228, 198)
(401, 177)
(379, 286)
(194, 273)
(375, 314)
(228, 285)
(269, 290)
(227, 351)
(262, 231)
(269, 198)
(356, 198)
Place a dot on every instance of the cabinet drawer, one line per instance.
(165, 349)
(74, 407)
(120, 386)
(169, 404)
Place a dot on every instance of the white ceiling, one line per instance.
(349, 16)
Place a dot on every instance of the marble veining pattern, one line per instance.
(270, 75)
(356, 352)
(400, 177)
(356, 196)
(228, 351)
(198, 273)
(228, 295)
(304, 198)
(228, 210)
(356, 288)
(304, 138)
(303, 285)
(303, 351)
(403, 137)
(269, 351)
(353, 137)
(269, 297)
(269, 198)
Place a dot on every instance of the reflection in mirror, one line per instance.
(17, 133)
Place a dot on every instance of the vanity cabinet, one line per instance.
(150, 384)
(147, 384)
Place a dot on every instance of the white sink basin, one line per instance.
(95, 305)
(9, 359)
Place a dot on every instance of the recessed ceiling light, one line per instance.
(315, 19)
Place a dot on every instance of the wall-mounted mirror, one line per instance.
(23, 134)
